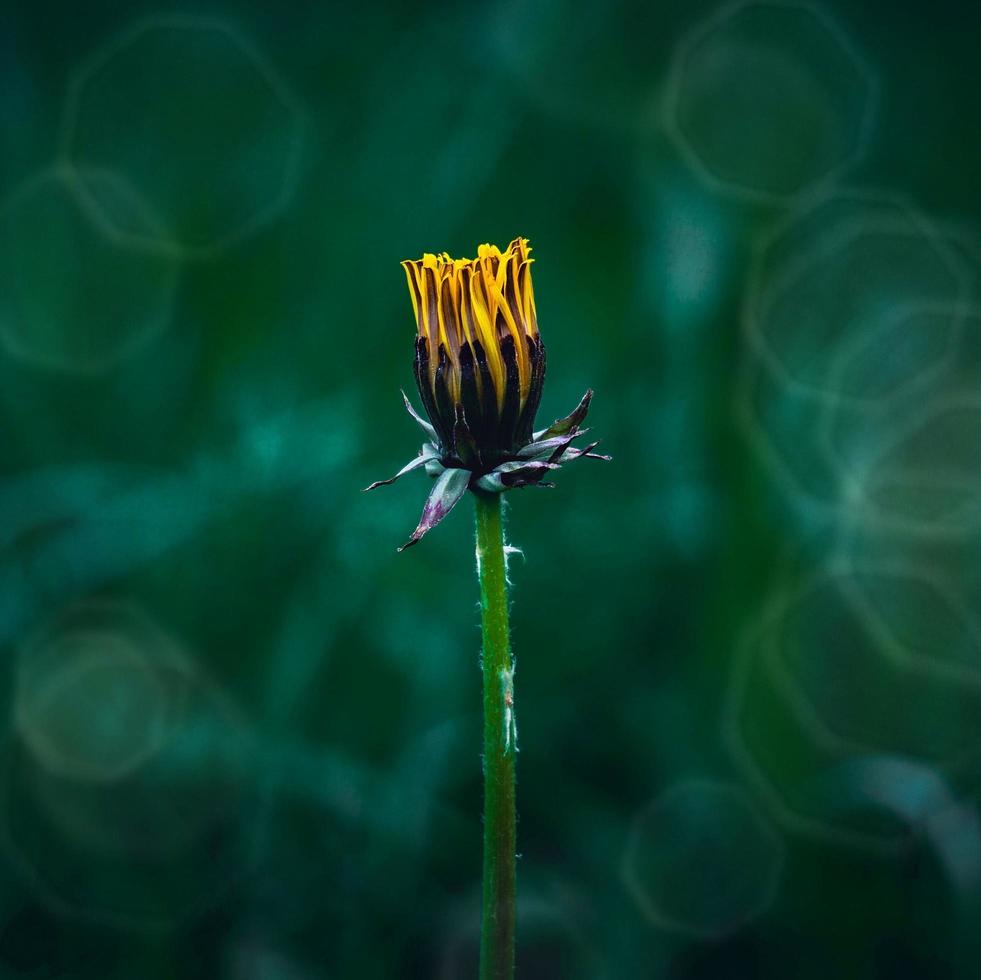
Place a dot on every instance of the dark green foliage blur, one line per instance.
(241, 735)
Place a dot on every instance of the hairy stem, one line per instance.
(498, 914)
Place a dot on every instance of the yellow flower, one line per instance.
(480, 368)
(479, 356)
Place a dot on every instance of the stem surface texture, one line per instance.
(500, 735)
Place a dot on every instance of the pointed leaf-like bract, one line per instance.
(450, 487)
(571, 452)
(554, 445)
(514, 474)
(561, 427)
(426, 455)
(426, 427)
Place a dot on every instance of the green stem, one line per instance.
(498, 916)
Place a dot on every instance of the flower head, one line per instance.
(480, 367)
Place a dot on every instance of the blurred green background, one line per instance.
(241, 735)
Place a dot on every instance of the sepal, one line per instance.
(454, 457)
(570, 423)
(427, 456)
(517, 473)
(550, 448)
(572, 452)
(426, 427)
(450, 487)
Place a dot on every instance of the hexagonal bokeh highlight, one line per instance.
(834, 646)
(701, 860)
(830, 760)
(924, 482)
(768, 99)
(781, 426)
(855, 312)
(915, 470)
(124, 779)
(912, 466)
(197, 121)
(89, 706)
(933, 582)
(839, 293)
(73, 296)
